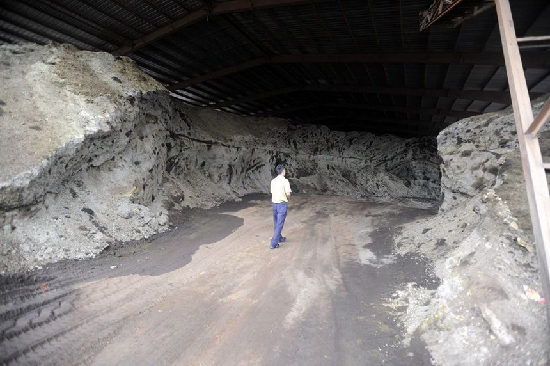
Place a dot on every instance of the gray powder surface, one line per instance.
(95, 152)
(482, 250)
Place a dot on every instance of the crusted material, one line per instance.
(482, 250)
(94, 152)
(227, 165)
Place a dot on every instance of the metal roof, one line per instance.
(348, 64)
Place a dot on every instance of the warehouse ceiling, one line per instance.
(348, 64)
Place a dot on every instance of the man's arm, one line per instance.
(288, 191)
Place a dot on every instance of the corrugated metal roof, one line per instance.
(228, 34)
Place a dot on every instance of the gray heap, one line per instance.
(94, 152)
(482, 250)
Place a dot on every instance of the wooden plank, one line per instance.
(535, 177)
(233, 6)
(543, 116)
(535, 59)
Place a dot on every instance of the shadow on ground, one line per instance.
(219, 295)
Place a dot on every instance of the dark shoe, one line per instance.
(282, 239)
(275, 247)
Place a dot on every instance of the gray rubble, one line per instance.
(482, 250)
(95, 152)
(237, 157)
(81, 152)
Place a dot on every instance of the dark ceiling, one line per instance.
(348, 64)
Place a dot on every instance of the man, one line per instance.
(280, 193)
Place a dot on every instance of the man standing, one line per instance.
(280, 193)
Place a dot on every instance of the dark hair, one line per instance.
(279, 168)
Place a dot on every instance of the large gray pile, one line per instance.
(482, 248)
(94, 151)
(237, 157)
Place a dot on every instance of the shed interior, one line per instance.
(359, 65)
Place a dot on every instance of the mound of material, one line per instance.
(483, 252)
(94, 152)
(80, 131)
(237, 157)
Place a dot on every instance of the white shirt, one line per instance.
(280, 187)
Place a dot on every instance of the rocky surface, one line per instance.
(82, 154)
(482, 250)
(94, 152)
(237, 157)
(475, 152)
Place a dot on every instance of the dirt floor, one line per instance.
(211, 292)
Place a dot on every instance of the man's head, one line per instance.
(280, 170)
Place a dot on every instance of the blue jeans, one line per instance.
(279, 216)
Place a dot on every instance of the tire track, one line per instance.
(76, 320)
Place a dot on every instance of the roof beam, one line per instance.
(530, 60)
(233, 6)
(162, 32)
(370, 107)
(502, 97)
